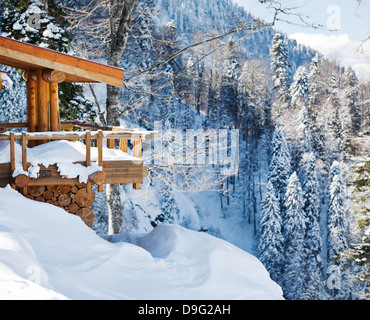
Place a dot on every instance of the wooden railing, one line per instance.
(87, 136)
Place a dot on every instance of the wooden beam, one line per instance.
(26, 56)
(30, 74)
(42, 99)
(53, 76)
(54, 107)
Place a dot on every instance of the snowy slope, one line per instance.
(46, 253)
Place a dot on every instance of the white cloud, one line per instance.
(341, 48)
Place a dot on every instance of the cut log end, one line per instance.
(22, 180)
(84, 197)
(99, 178)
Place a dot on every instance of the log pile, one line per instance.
(75, 199)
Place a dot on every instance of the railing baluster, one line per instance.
(88, 148)
(24, 151)
(100, 148)
(12, 156)
(137, 154)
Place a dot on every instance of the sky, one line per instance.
(343, 26)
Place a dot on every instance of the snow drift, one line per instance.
(46, 253)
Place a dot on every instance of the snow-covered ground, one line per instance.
(46, 253)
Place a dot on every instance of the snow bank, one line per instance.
(46, 253)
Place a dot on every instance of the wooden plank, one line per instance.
(26, 56)
(121, 164)
(123, 179)
(54, 107)
(132, 170)
(53, 181)
(4, 167)
(72, 135)
(15, 125)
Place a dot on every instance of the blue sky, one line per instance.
(344, 26)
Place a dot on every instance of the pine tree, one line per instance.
(299, 114)
(13, 98)
(337, 233)
(352, 99)
(294, 226)
(30, 22)
(280, 66)
(300, 88)
(280, 164)
(271, 242)
(313, 240)
(169, 209)
(316, 94)
(229, 113)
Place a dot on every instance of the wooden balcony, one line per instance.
(128, 170)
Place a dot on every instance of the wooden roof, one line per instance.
(26, 56)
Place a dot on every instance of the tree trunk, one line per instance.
(114, 208)
(118, 44)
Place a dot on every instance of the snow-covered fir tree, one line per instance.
(169, 209)
(300, 88)
(280, 164)
(294, 226)
(13, 98)
(351, 91)
(280, 65)
(30, 22)
(313, 240)
(271, 242)
(337, 230)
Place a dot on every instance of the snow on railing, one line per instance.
(88, 136)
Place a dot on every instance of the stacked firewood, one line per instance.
(75, 199)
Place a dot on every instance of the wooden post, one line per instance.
(43, 114)
(88, 148)
(100, 154)
(123, 145)
(100, 148)
(24, 151)
(31, 108)
(137, 154)
(54, 107)
(110, 143)
(24, 178)
(12, 156)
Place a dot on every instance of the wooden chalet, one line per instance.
(44, 69)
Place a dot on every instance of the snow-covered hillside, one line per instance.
(46, 253)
